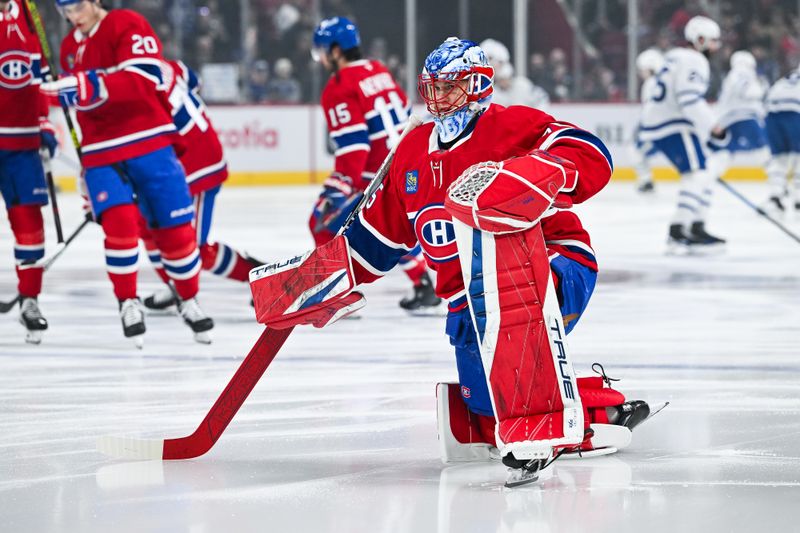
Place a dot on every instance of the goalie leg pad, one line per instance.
(523, 346)
(463, 435)
(315, 288)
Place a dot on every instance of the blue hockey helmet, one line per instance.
(337, 30)
(456, 85)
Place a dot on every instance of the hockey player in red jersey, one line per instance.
(365, 110)
(24, 129)
(117, 84)
(487, 191)
(199, 150)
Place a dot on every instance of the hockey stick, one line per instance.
(35, 23)
(5, 307)
(758, 210)
(242, 382)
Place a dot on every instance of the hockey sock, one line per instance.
(180, 257)
(222, 260)
(693, 201)
(28, 228)
(120, 225)
(152, 250)
(414, 267)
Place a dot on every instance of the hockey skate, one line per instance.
(195, 318)
(160, 300)
(31, 317)
(694, 241)
(424, 296)
(646, 188)
(132, 316)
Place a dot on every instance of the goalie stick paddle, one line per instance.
(242, 382)
(5, 307)
(217, 419)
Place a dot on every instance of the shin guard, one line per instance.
(523, 347)
(180, 257)
(28, 228)
(120, 225)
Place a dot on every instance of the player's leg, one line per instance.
(162, 298)
(780, 164)
(164, 200)
(643, 153)
(687, 227)
(218, 258)
(111, 197)
(24, 192)
(424, 295)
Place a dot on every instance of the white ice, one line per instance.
(340, 434)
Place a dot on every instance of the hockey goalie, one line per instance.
(487, 191)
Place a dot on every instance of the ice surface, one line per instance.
(340, 434)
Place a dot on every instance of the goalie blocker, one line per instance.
(315, 288)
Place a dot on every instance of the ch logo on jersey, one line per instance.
(412, 178)
(434, 229)
(17, 69)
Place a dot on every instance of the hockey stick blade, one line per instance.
(217, 419)
(5, 307)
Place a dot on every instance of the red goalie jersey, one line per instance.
(417, 183)
(366, 111)
(21, 72)
(133, 119)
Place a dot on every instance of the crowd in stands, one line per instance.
(272, 46)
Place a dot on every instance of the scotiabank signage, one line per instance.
(253, 134)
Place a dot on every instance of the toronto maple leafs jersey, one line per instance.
(678, 102)
(741, 97)
(784, 95)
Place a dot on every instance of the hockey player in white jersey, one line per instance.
(648, 64)
(508, 88)
(678, 121)
(740, 112)
(783, 134)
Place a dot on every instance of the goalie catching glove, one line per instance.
(315, 288)
(512, 195)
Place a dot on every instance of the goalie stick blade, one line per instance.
(222, 412)
(131, 448)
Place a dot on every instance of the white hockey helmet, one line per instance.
(742, 59)
(495, 51)
(650, 60)
(703, 33)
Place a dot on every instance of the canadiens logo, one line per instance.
(434, 229)
(17, 69)
(465, 392)
(102, 196)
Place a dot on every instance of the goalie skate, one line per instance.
(31, 317)
(197, 320)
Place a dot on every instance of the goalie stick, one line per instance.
(5, 307)
(242, 382)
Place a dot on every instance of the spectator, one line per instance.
(258, 82)
(284, 88)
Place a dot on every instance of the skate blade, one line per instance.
(33, 337)
(138, 341)
(202, 337)
(588, 454)
(519, 477)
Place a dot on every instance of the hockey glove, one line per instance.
(335, 203)
(84, 91)
(47, 134)
(315, 288)
(512, 195)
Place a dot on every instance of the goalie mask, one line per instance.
(456, 85)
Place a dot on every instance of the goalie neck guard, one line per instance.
(456, 85)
